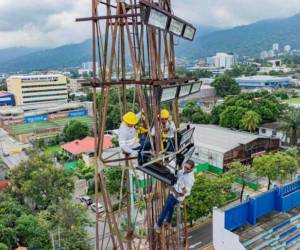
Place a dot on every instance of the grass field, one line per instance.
(31, 127)
(39, 126)
(53, 149)
(294, 100)
(61, 122)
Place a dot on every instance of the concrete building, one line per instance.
(270, 220)
(264, 54)
(223, 60)
(275, 130)
(220, 146)
(263, 81)
(36, 89)
(76, 84)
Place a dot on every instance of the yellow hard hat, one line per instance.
(164, 114)
(130, 118)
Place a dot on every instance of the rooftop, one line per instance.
(272, 125)
(35, 76)
(262, 78)
(220, 139)
(5, 93)
(86, 145)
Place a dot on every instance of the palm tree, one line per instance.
(292, 125)
(250, 121)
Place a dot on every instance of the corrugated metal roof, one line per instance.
(220, 139)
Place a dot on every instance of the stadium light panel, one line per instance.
(168, 94)
(156, 18)
(196, 87)
(176, 26)
(189, 32)
(185, 90)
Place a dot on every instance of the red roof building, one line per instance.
(4, 184)
(86, 145)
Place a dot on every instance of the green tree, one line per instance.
(292, 126)
(225, 85)
(114, 179)
(206, 194)
(3, 246)
(83, 171)
(193, 113)
(267, 105)
(231, 117)
(240, 171)
(75, 130)
(71, 220)
(31, 232)
(265, 166)
(250, 121)
(40, 181)
(274, 166)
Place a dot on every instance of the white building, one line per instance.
(87, 68)
(287, 48)
(223, 60)
(264, 54)
(275, 47)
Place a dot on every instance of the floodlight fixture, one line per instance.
(184, 90)
(189, 32)
(176, 26)
(156, 18)
(196, 87)
(186, 137)
(169, 93)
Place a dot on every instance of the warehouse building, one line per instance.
(263, 82)
(36, 89)
(220, 146)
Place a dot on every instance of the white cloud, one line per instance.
(50, 23)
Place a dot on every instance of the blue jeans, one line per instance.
(168, 210)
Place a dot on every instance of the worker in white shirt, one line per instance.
(168, 130)
(128, 138)
(181, 189)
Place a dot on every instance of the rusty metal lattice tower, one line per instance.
(123, 44)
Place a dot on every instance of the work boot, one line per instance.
(157, 228)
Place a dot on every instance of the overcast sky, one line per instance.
(50, 23)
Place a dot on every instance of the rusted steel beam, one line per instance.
(82, 19)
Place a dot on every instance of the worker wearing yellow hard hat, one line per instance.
(128, 139)
(168, 130)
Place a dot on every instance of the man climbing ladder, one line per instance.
(181, 189)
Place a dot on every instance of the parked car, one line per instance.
(86, 199)
(100, 208)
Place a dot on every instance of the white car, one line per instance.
(100, 208)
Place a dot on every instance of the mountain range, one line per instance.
(247, 40)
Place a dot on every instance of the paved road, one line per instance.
(6, 143)
(200, 236)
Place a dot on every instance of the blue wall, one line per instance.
(35, 118)
(7, 100)
(279, 199)
(82, 112)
